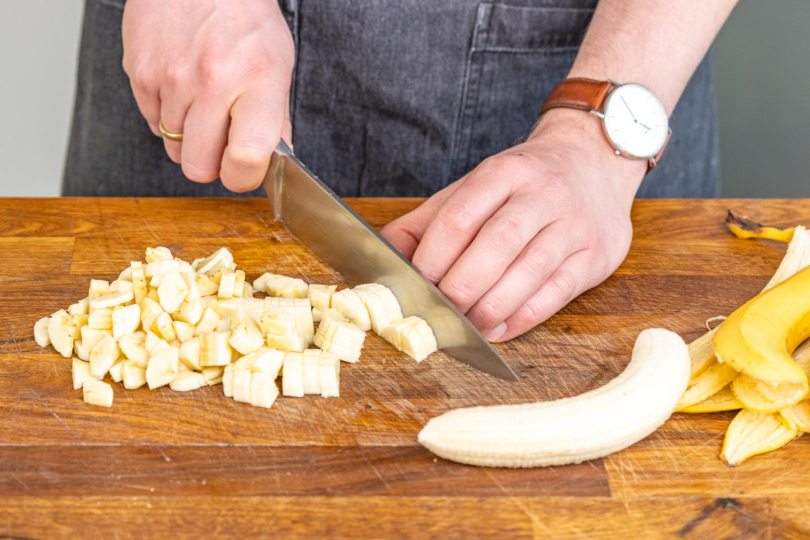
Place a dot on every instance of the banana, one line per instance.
(82, 307)
(138, 281)
(187, 381)
(351, 306)
(205, 286)
(208, 322)
(160, 268)
(386, 296)
(189, 354)
(752, 433)
(111, 299)
(723, 400)
(708, 383)
(245, 338)
(279, 325)
(329, 373)
(241, 385)
(183, 331)
(213, 374)
(413, 336)
(320, 297)
(284, 286)
(264, 360)
(125, 320)
(61, 333)
(759, 337)
(227, 380)
(796, 258)
(796, 417)
(81, 373)
(98, 287)
(116, 371)
(310, 370)
(149, 312)
(100, 319)
(301, 311)
(134, 376)
(97, 393)
(212, 263)
(263, 390)
(159, 253)
(163, 367)
(337, 335)
(92, 336)
(163, 327)
(215, 349)
(292, 375)
(41, 335)
(570, 430)
(744, 228)
(103, 356)
(119, 285)
(81, 351)
(226, 285)
(79, 321)
(172, 291)
(239, 285)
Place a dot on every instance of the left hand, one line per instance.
(529, 229)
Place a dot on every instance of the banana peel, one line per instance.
(744, 227)
(701, 353)
(752, 433)
(722, 400)
(766, 398)
(705, 385)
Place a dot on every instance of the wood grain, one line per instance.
(167, 464)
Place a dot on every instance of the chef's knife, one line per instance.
(343, 240)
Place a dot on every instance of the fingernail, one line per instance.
(496, 333)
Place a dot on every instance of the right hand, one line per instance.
(217, 71)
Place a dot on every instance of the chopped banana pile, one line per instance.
(755, 360)
(168, 322)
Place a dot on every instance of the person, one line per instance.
(413, 98)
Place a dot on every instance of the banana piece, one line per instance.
(752, 433)
(320, 297)
(172, 291)
(134, 376)
(413, 336)
(329, 373)
(708, 383)
(98, 287)
(337, 335)
(91, 337)
(187, 381)
(264, 360)
(149, 312)
(393, 313)
(310, 371)
(215, 349)
(117, 370)
(245, 338)
(79, 322)
(263, 390)
(301, 311)
(61, 332)
(183, 331)
(103, 356)
(759, 337)
(189, 354)
(151, 341)
(292, 375)
(159, 253)
(100, 319)
(111, 299)
(125, 320)
(135, 350)
(81, 373)
(241, 385)
(351, 306)
(205, 286)
(208, 322)
(119, 285)
(139, 289)
(239, 285)
(279, 325)
(570, 430)
(79, 308)
(190, 312)
(226, 285)
(97, 393)
(212, 263)
(160, 268)
(213, 375)
(81, 351)
(163, 367)
(723, 400)
(283, 286)
(41, 335)
(766, 398)
(162, 327)
(227, 380)
(796, 417)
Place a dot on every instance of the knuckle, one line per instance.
(528, 316)
(509, 234)
(458, 217)
(197, 173)
(247, 157)
(143, 77)
(457, 291)
(489, 311)
(212, 72)
(539, 259)
(563, 285)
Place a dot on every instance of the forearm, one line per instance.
(658, 44)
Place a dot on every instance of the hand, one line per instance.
(529, 229)
(217, 71)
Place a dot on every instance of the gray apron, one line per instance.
(391, 98)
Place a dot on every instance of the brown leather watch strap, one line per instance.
(585, 94)
(653, 163)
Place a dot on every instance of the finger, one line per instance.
(570, 280)
(286, 132)
(204, 138)
(523, 278)
(457, 222)
(149, 105)
(405, 232)
(498, 244)
(173, 109)
(257, 120)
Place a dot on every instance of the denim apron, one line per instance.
(391, 98)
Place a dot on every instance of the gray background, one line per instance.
(762, 67)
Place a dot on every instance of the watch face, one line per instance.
(635, 120)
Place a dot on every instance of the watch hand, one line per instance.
(628, 109)
(642, 125)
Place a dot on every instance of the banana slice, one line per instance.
(301, 311)
(82, 307)
(389, 301)
(320, 297)
(134, 376)
(163, 367)
(208, 322)
(187, 381)
(134, 350)
(116, 371)
(263, 390)
(160, 268)
(149, 312)
(226, 285)
(125, 320)
(413, 336)
(329, 373)
(100, 319)
(159, 253)
(81, 373)
(163, 328)
(139, 289)
(183, 331)
(337, 335)
(90, 336)
(41, 335)
(241, 385)
(213, 375)
(103, 356)
(61, 333)
(212, 263)
(205, 286)
(98, 287)
(190, 312)
(284, 286)
(97, 393)
(79, 321)
(570, 430)
(172, 291)
(292, 375)
(310, 370)
(111, 299)
(119, 285)
(351, 306)
(752, 433)
(239, 285)
(81, 351)
(264, 360)
(189, 354)
(215, 350)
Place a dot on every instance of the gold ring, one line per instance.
(170, 136)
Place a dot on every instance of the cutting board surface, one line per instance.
(167, 464)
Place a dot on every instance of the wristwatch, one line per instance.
(634, 119)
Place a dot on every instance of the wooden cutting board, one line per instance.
(161, 464)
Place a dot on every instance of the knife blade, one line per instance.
(343, 240)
